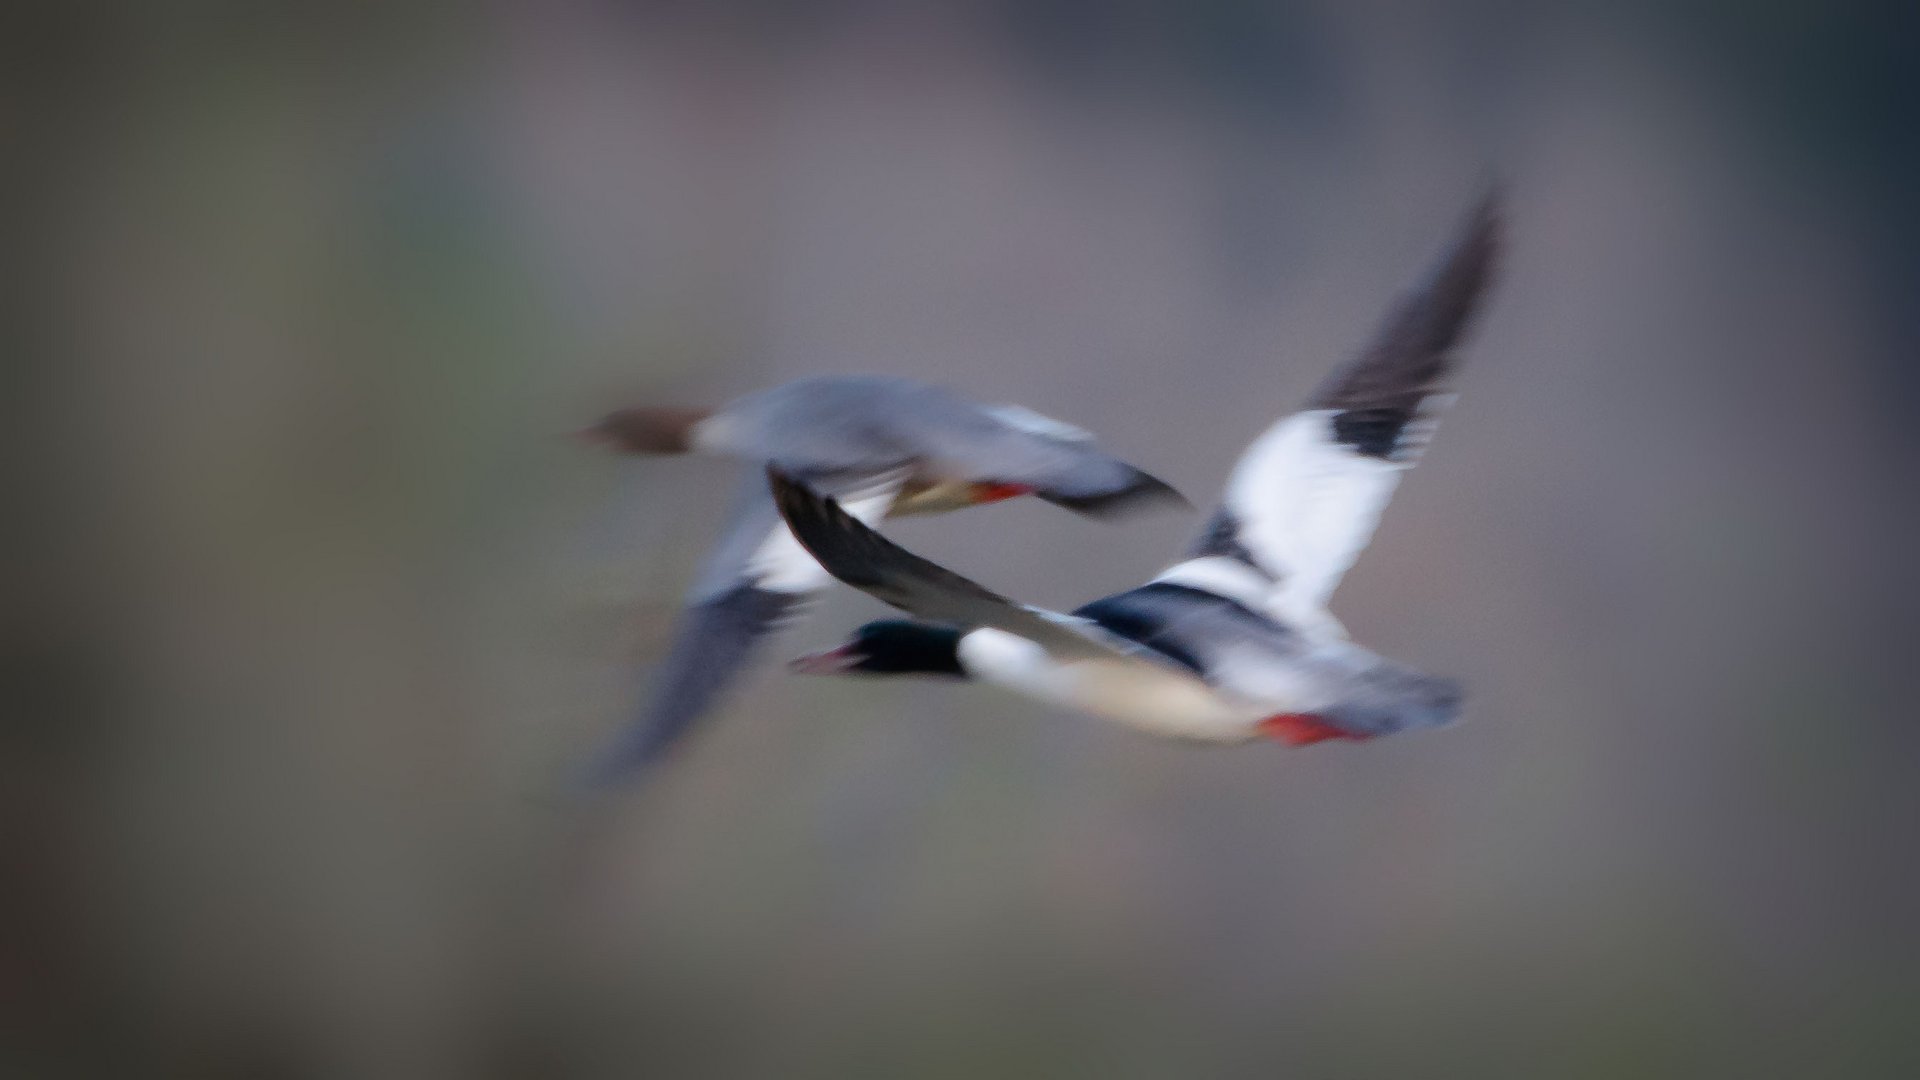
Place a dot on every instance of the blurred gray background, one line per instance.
(311, 605)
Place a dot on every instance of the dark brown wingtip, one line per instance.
(1410, 356)
(1145, 492)
(1150, 492)
(783, 486)
(1471, 263)
(1437, 314)
(794, 500)
(1488, 212)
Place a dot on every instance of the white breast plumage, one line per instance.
(1140, 693)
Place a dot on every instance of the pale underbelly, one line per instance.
(1165, 703)
(1137, 693)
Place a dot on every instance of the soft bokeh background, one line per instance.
(310, 606)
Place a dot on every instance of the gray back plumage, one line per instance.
(868, 423)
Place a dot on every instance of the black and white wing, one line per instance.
(1305, 497)
(756, 581)
(864, 559)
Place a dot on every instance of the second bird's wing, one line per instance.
(756, 581)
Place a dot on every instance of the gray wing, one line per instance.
(756, 581)
(835, 423)
(1304, 499)
(893, 575)
(713, 643)
(1011, 445)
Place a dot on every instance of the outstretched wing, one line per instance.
(864, 559)
(833, 423)
(1304, 499)
(757, 580)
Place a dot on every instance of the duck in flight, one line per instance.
(882, 447)
(1234, 642)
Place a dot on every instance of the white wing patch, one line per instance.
(1306, 506)
(780, 564)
